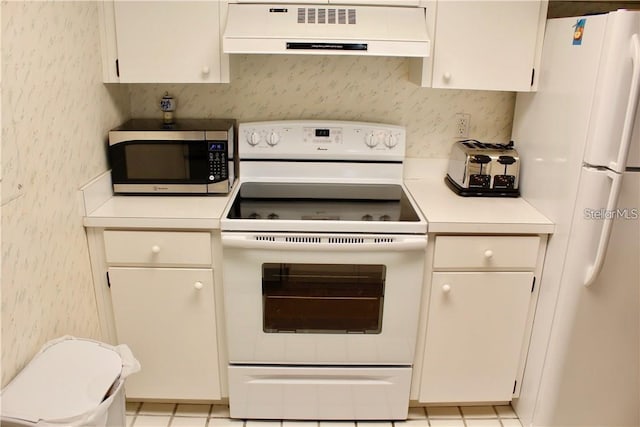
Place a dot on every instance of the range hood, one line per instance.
(326, 30)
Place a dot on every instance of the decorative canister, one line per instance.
(168, 106)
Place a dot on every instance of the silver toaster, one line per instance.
(482, 169)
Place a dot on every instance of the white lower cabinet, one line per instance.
(474, 335)
(167, 317)
(479, 302)
(159, 292)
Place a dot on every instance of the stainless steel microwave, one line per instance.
(194, 156)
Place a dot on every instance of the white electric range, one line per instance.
(323, 257)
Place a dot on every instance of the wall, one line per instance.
(56, 113)
(268, 87)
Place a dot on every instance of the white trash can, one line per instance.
(70, 382)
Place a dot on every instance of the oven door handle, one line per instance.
(322, 244)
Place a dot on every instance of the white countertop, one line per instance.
(196, 212)
(103, 209)
(445, 211)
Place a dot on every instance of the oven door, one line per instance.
(322, 299)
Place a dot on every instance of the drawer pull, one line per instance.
(488, 253)
(198, 285)
(155, 249)
(446, 288)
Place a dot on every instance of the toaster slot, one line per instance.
(480, 179)
(505, 180)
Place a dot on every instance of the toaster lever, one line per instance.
(506, 160)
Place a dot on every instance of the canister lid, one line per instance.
(66, 379)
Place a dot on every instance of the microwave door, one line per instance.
(153, 167)
(158, 162)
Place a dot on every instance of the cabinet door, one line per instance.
(167, 317)
(168, 41)
(475, 332)
(487, 45)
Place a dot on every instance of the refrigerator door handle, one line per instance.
(632, 106)
(603, 244)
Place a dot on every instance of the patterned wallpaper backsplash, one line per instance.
(55, 115)
(272, 87)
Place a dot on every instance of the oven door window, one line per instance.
(322, 298)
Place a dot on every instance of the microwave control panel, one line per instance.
(218, 161)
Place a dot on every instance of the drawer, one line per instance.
(158, 247)
(331, 393)
(486, 252)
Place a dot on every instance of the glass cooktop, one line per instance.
(322, 201)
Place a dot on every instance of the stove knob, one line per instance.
(371, 139)
(253, 138)
(385, 218)
(273, 216)
(391, 140)
(255, 215)
(273, 139)
(367, 217)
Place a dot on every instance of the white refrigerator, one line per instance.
(578, 138)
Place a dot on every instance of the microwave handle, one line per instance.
(245, 241)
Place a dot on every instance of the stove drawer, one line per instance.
(486, 252)
(319, 393)
(154, 248)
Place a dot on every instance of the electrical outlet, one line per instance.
(462, 123)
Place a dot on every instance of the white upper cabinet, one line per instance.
(484, 45)
(164, 42)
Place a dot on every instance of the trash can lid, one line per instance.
(66, 379)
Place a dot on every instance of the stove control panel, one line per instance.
(315, 139)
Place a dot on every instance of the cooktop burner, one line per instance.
(322, 201)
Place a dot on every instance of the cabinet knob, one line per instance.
(488, 253)
(205, 70)
(446, 288)
(155, 249)
(446, 77)
(198, 285)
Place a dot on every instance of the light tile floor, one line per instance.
(188, 415)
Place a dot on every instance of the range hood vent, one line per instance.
(326, 30)
(326, 15)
